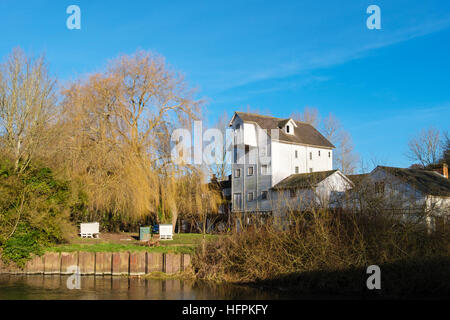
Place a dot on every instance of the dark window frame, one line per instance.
(266, 167)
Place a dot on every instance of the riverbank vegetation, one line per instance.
(325, 253)
(35, 210)
(98, 148)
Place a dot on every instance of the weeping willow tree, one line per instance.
(198, 200)
(115, 137)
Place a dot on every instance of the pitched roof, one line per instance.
(303, 180)
(428, 182)
(304, 133)
(357, 178)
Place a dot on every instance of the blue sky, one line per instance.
(276, 57)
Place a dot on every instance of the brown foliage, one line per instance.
(319, 241)
(115, 136)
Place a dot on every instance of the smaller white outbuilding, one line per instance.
(413, 188)
(305, 191)
(410, 193)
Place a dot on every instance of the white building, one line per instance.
(410, 193)
(267, 150)
(304, 191)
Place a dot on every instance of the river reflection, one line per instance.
(32, 287)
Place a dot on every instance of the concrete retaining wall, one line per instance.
(103, 263)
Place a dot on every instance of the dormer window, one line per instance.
(288, 126)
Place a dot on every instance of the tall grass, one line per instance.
(320, 242)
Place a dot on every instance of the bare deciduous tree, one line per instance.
(331, 127)
(446, 148)
(345, 157)
(27, 106)
(221, 167)
(309, 115)
(425, 147)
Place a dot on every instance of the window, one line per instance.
(250, 196)
(250, 171)
(247, 152)
(263, 195)
(292, 193)
(379, 187)
(329, 154)
(310, 156)
(310, 169)
(237, 203)
(235, 151)
(319, 153)
(264, 169)
(296, 169)
(287, 129)
(237, 173)
(296, 154)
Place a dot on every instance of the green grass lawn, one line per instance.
(181, 243)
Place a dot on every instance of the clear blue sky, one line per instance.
(278, 57)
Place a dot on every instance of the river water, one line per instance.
(32, 287)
